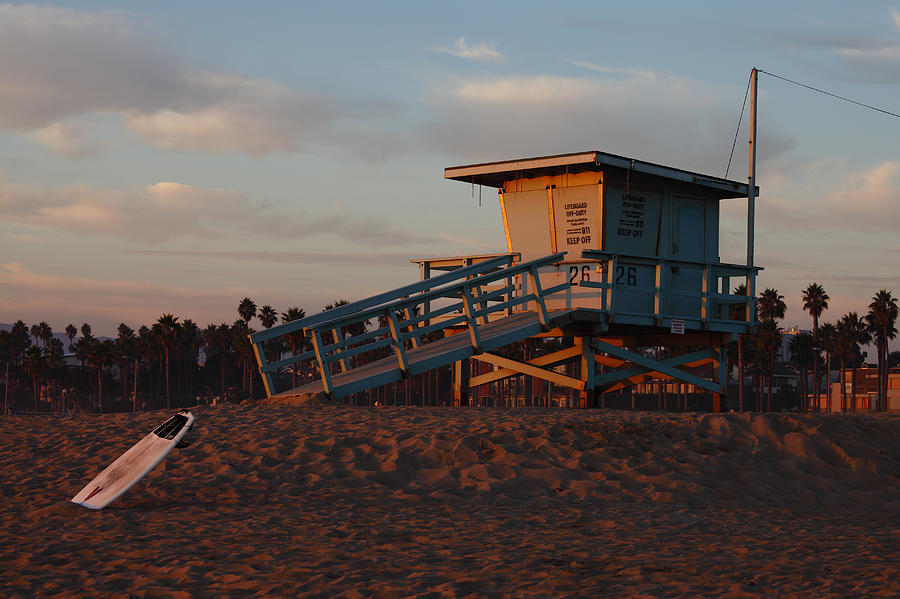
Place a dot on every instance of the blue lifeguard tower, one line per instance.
(614, 253)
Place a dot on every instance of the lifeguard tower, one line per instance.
(616, 254)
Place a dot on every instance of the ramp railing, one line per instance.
(407, 318)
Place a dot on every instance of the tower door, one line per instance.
(688, 243)
(688, 240)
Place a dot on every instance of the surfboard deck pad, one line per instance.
(135, 463)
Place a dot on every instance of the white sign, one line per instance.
(577, 219)
(677, 327)
(632, 221)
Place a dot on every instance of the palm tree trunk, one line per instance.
(168, 391)
(100, 388)
(816, 382)
(741, 374)
(250, 376)
(887, 370)
(134, 387)
(843, 384)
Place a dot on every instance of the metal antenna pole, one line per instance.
(751, 193)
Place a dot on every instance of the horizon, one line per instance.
(172, 159)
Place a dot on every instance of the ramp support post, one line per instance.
(461, 382)
(260, 354)
(719, 399)
(319, 348)
(586, 399)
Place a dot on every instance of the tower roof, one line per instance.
(495, 174)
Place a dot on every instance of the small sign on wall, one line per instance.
(577, 219)
(677, 326)
(632, 221)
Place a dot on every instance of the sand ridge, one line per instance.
(450, 502)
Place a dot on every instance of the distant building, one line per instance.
(866, 389)
(784, 354)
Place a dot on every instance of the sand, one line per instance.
(458, 502)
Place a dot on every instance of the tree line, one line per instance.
(157, 366)
(161, 362)
(830, 345)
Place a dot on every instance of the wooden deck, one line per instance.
(442, 352)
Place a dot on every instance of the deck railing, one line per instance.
(713, 292)
(405, 316)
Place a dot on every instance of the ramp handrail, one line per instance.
(471, 301)
(298, 325)
(474, 302)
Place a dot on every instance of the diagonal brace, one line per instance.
(535, 371)
(664, 367)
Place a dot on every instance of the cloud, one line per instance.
(830, 197)
(348, 259)
(251, 115)
(166, 210)
(480, 52)
(614, 70)
(64, 138)
(60, 64)
(666, 119)
(870, 56)
(868, 200)
(881, 63)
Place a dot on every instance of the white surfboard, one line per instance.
(135, 463)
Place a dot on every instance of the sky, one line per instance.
(172, 157)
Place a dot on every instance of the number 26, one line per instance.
(626, 276)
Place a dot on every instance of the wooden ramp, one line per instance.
(419, 327)
(433, 355)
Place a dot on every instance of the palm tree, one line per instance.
(19, 342)
(295, 339)
(46, 333)
(858, 334)
(217, 340)
(190, 339)
(143, 351)
(882, 318)
(36, 332)
(828, 340)
(101, 354)
(82, 348)
(268, 316)
(770, 307)
(844, 343)
(124, 353)
(815, 301)
(768, 336)
(6, 356)
(739, 312)
(34, 365)
(166, 329)
(54, 363)
(247, 310)
(244, 352)
(71, 333)
(803, 357)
